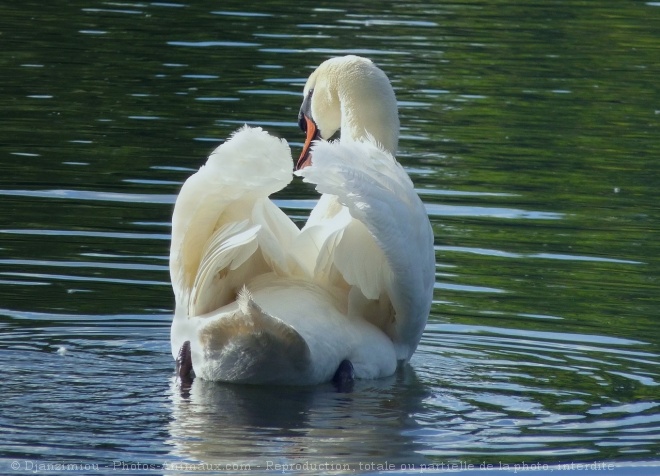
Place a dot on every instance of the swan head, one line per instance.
(352, 94)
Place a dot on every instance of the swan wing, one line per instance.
(315, 245)
(275, 238)
(223, 213)
(227, 250)
(387, 249)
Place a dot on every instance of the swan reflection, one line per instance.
(264, 426)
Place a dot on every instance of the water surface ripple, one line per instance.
(530, 132)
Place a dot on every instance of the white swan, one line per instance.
(260, 301)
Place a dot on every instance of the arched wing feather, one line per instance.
(389, 245)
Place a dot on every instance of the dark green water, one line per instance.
(531, 131)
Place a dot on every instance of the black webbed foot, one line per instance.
(184, 368)
(344, 377)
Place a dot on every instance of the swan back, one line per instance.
(352, 93)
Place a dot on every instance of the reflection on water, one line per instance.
(530, 133)
(315, 425)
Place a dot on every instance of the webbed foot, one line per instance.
(344, 377)
(184, 367)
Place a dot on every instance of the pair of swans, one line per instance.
(347, 296)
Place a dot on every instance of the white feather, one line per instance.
(388, 247)
(263, 302)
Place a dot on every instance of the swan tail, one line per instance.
(250, 346)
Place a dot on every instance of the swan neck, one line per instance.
(372, 112)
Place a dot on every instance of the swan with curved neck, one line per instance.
(352, 94)
(348, 295)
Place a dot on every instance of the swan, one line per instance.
(259, 300)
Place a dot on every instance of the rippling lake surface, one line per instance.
(531, 132)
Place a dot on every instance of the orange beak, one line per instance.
(313, 134)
